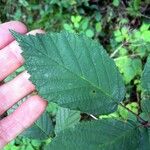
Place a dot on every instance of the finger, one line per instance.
(10, 57)
(5, 35)
(21, 119)
(13, 91)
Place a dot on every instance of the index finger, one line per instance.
(5, 35)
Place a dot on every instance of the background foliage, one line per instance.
(121, 26)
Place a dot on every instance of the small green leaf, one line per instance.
(89, 33)
(41, 129)
(129, 67)
(98, 27)
(116, 3)
(123, 51)
(66, 118)
(78, 18)
(145, 26)
(117, 33)
(68, 27)
(146, 36)
(73, 19)
(124, 30)
(84, 24)
(136, 4)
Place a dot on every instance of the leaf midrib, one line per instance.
(41, 129)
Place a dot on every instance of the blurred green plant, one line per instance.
(24, 144)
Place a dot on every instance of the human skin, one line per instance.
(13, 91)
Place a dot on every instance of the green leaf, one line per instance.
(129, 67)
(73, 19)
(116, 3)
(123, 51)
(98, 135)
(41, 129)
(145, 26)
(78, 18)
(66, 118)
(146, 36)
(84, 24)
(72, 71)
(98, 26)
(136, 4)
(145, 105)
(68, 27)
(89, 33)
(146, 76)
(144, 139)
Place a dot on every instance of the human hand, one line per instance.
(10, 93)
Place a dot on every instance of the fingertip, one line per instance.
(34, 32)
(5, 35)
(38, 102)
(21, 26)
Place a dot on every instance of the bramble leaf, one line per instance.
(72, 71)
(106, 134)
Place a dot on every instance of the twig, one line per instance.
(141, 119)
(145, 16)
(114, 53)
(147, 124)
(93, 117)
(131, 56)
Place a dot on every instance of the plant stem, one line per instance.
(114, 53)
(148, 124)
(145, 16)
(93, 117)
(141, 119)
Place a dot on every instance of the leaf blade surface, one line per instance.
(104, 134)
(72, 71)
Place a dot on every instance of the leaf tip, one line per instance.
(16, 35)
